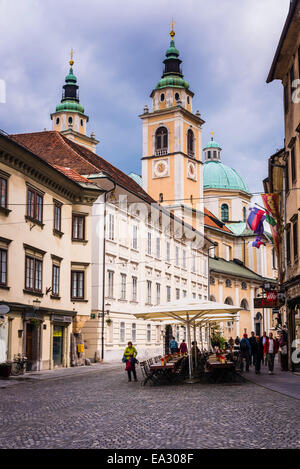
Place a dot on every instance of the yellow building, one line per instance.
(45, 256)
(284, 172)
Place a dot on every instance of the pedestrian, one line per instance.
(263, 341)
(252, 341)
(130, 350)
(283, 352)
(183, 347)
(237, 340)
(231, 342)
(130, 367)
(173, 345)
(258, 353)
(270, 350)
(245, 349)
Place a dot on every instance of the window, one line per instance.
(228, 301)
(168, 251)
(177, 96)
(3, 267)
(161, 197)
(134, 288)
(3, 192)
(288, 243)
(286, 98)
(122, 332)
(244, 214)
(190, 142)
(286, 175)
(215, 154)
(162, 97)
(161, 141)
(244, 285)
(110, 285)
(57, 120)
(168, 293)
(133, 332)
(55, 279)
(77, 284)
(184, 333)
(78, 227)
(149, 292)
(148, 332)
(244, 304)
(158, 293)
(274, 258)
(193, 262)
(295, 240)
(158, 334)
(158, 247)
(227, 252)
(111, 227)
(33, 274)
(188, 100)
(177, 255)
(194, 296)
(70, 120)
(184, 258)
(184, 293)
(293, 164)
(212, 280)
(228, 283)
(134, 237)
(149, 243)
(57, 216)
(34, 205)
(81, 122)
(178, 333)
(123, 287)
(177, 294)
(224, 212)
(209, 154)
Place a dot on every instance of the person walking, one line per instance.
(173, 345)
(252, 341)
(231, 342)
(270, 350)
(183, 347)
(258, 353)
(245, 349)
(263, 341)
(130, 353)
(283, 352)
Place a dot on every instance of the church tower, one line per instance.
(69, 117)
(172, 140)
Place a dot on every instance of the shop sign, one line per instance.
(272, 297)
(80, 348)
(57, 318)
(34, 315)
(264, 303)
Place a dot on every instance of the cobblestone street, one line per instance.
(102, 410)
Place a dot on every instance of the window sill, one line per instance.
(4, 210)
(33, 293)
(58, 233)
(134, 302)
(54, 297)
(4, 287)
(122, 300)
(34, 221)
(79, 300)
(83, 241)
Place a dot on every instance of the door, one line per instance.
(29, 346)
(57, 345)
(257, 328)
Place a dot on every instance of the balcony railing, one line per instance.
(162, 152)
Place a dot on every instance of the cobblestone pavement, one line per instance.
(103, 410)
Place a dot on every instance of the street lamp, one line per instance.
(106, 310)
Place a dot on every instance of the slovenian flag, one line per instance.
(255, 220)
(258, 242)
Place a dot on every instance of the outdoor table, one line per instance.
(220, 370)
(167, 370)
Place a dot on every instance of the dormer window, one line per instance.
(70, 120)
(162, 97)
(190, 143)
(224, 212)
(161, 141)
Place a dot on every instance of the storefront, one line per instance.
(60, 340)
(293, 322)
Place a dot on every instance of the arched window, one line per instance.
(244, 214)
(224, 212)
(161, 197)
(244, 285)
(161, 141)
(190, 142)
(177, 96)
(228, 283)
(228, 301)
(70, 120)
(162, 97)
(244, 304)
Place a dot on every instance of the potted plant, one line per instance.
(35, 322)
(108, 321)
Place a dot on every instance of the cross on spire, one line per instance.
(172, 24)
(71, 62)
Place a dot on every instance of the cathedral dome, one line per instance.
(217, 175)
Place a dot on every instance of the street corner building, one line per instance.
(283, 181)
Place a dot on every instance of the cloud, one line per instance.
(226, 46)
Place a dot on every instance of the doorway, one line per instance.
(58, 333)
(31, 346)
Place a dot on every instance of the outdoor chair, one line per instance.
(147, 374)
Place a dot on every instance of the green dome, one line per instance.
(70, 78)
(217, 175)
(173, 81)
(212, 144)
(70, 106)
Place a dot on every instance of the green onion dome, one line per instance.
(217, 175)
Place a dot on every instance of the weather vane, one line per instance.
(172, 24)
(212, 134)
(71, 62)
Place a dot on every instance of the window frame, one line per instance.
(53, 291)
(134, 288)
(224, 207)
(33, 205)
(57, 206)
(123, 287)
(73, 274)
(293, 165)
(190, 143)
(35, 278)
(3, 179)
(78, 216)
(295, 239)
(3, 251)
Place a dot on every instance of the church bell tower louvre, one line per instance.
(69, 117)
(172, 140)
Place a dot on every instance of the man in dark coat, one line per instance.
(252, 340)
(258, 353)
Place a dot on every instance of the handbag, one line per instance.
(124, 359)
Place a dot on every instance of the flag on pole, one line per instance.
(258, 242)
(256, 219)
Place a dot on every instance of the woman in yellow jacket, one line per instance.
(130, 353)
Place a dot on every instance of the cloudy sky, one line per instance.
(227, 47)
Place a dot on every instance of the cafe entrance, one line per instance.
(58, 345)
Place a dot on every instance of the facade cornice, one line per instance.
(178, 109)
(185, 155)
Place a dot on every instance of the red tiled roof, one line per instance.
(212, 221)
(59, 150)
(70, 173)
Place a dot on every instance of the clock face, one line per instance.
(192, 174)
(161, 168)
